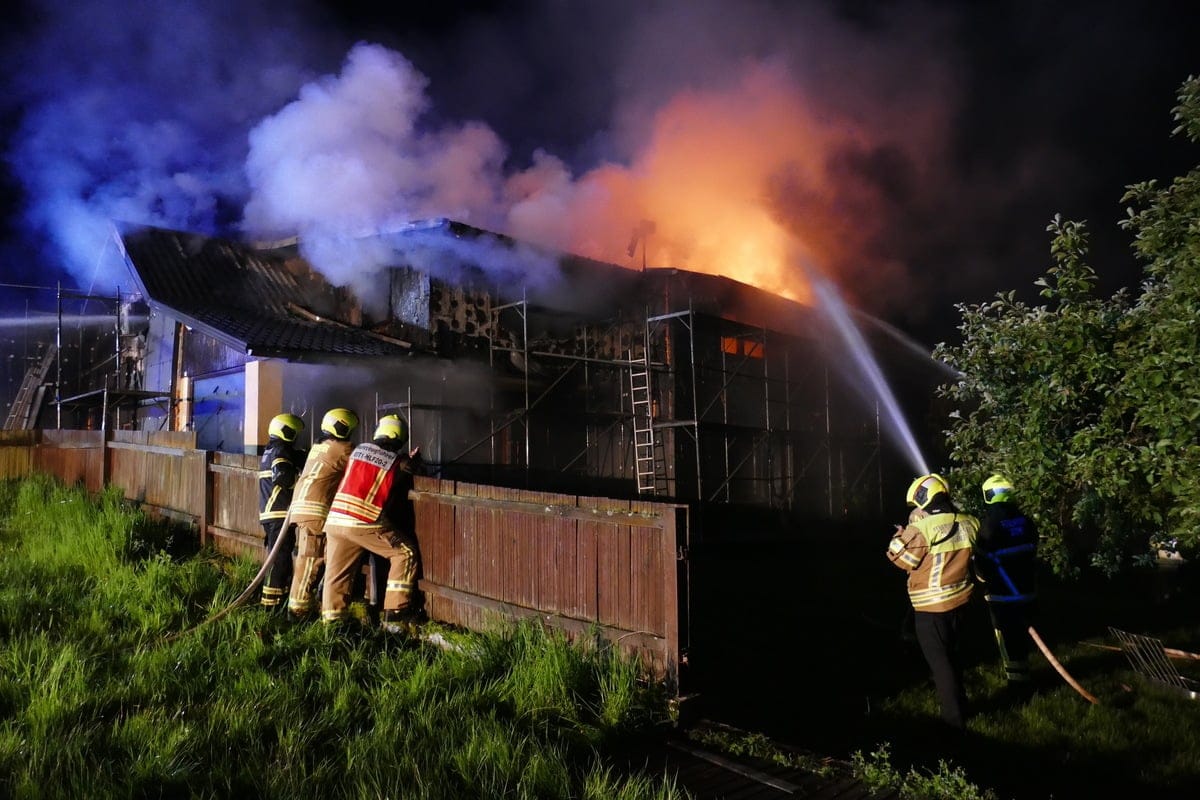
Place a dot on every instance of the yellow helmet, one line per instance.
(391, 428)
(339, 423)
(285, 427)
(997, 489)
(925, 488)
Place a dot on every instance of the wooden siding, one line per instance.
(16, 453)
(590, 566)
(583, 564)
(233, 497)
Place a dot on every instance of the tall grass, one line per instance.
(93, 702)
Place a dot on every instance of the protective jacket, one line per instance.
(319, 481)
(1005, 554)
(936, 552)
(374, 490)
(365, 487)
(277, 471)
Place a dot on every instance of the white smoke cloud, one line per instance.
(349, 162)
(730, 142)
(745, 131)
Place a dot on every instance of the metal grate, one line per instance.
(1148, 659)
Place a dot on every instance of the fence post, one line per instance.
(105, 466)
(671, 555)
(206, 514)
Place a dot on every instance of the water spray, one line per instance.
(50, 321)
(909, 344)
(831, 304)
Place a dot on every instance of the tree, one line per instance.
(1091, 403)
(1162, 383)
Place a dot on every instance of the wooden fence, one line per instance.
(615, 568)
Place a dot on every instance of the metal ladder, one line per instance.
(25, 406)
(643, 422)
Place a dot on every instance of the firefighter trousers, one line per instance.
(1010, 622)
(937, 634)
(279, 577)
(310, 566)
(346, 547)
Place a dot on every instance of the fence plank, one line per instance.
(487, 551)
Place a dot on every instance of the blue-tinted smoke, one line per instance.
(140, 111)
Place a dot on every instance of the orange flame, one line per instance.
(709, 179)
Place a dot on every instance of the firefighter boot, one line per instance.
(405, 620)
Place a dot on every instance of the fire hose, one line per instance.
(248, 591)
(1062, 671)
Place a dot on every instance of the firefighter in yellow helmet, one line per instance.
(278, 470)
(935, 550)
(310, 504)
(372, 513)
(1006, 563)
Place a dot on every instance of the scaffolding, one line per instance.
(664, 410)
(23, 413)
(106, 388)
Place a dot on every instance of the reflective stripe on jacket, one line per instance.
(319, 481)
(1006, 555)
(365, 487)
(936, 552)
(277, 471)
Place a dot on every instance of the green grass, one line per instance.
(93, 702)
(1137, 737)
(808, 651)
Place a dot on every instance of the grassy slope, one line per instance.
(93, 704)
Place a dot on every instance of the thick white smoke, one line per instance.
(738, 166)
(348, 162)
(731, 141)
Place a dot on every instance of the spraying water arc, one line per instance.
(51, 321)
(830, 303)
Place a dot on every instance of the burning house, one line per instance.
(589, 378)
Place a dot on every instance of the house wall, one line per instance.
(218, 411)
(263, 400)
(217, 386)
(160, 352)
(524, 396)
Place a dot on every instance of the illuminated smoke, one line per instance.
(735, 143)
(740, 171)
(703, 180)
(138, 111)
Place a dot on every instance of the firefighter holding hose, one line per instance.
(1005, 558)
(278, 469)
(372, 513)
(314, 492)
(935, 550)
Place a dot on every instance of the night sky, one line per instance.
(920, 149)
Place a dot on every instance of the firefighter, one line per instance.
(372, 513)
(310, 504)
(1005, 558)
(935, 550)
(278, 469)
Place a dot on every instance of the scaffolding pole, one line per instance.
(666, 376)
